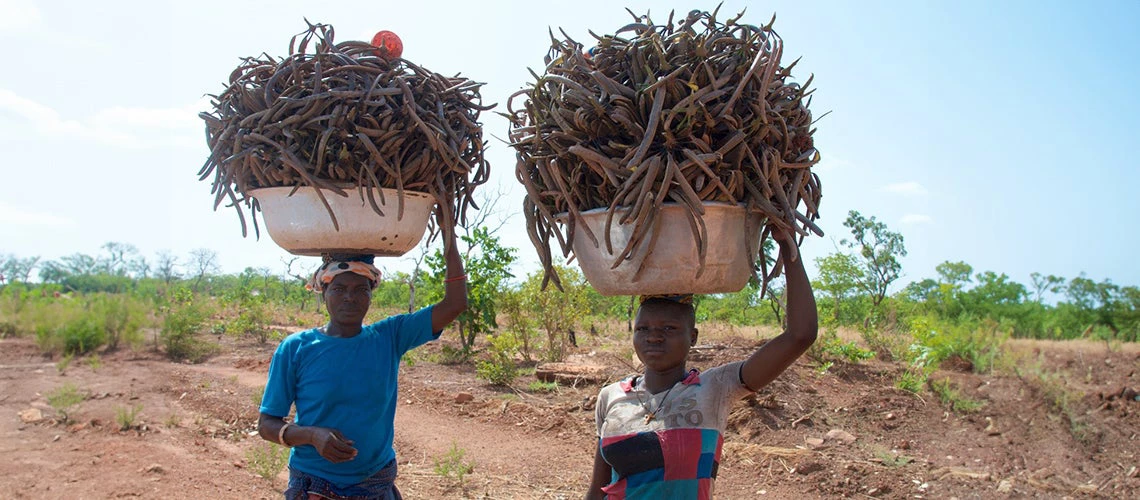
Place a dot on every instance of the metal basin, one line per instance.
(671, 266)
(302, 226)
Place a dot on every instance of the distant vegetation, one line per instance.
(82, 304)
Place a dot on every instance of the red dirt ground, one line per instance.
(1067, 426)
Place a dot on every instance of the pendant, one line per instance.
(649, 416)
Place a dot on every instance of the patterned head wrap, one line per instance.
(332, 268)
(686, 299)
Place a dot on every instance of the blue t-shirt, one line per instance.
(347, 384)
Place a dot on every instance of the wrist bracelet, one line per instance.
(281, 434)
(461, 277)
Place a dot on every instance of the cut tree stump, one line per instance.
(571, 373)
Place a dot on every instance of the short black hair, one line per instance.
(687, 310)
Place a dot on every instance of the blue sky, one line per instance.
(982, 131)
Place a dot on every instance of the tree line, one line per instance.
(853, 287)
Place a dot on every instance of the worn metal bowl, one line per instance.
(301, 225)
(671, 266)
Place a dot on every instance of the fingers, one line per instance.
(342, 443)
(337, 448)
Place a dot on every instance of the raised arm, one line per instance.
(778, 354)
(454, 299)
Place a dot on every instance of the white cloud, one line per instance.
(831, 161)
(150, 118)
(125, 127)
(18, 16)
(18, 217)
(911, 219)
(906, 189)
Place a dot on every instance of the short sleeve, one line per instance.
(409, 330)
(600, 409)
(281, 386)
(725, 381)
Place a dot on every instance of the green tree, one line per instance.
(953, 277)
(13, 269)
(1042, 284)
(203, 262)
(839, 278)
(166, 267)
(1102, 304)
(119, 259)
(487, 264)
(880, 249)
(955, 274)
(557, 312)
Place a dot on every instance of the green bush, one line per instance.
(949, 395)
(500, 369)
(557, 312)
(183, 320)
(267, 459)
(121, 317)
(452, 464)
(831, 348)
(450, 356)
(540, 386)
(63, 363)
(979, 343)
(64, 399)
(81, 336)
(911, 381)
(126, 417)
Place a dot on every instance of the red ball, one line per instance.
(388, 45)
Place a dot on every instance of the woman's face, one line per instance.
(662, 335)
(348, 298)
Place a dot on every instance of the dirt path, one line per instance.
(1067, 426)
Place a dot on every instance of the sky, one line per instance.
(983, 132)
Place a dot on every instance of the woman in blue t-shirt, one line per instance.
(342, 379)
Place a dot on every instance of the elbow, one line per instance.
(805, 336)
(456, 306)
(264, 430)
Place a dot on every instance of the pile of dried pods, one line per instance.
(686, 112)
(341, 118)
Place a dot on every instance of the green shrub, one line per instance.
(450, 356)
(126, 417)
(824, 367)
(831, 348)
(540, 386)
(121, 317)
(81, 336)
(252, 321)
(267, 459)
(979, 343)
(257, 395)
(500, 369)
(64, 399)
(911, 381)
(1062, 399)
(891, 459)
(183, 320)
(63, 363)
(949, 395)
(46, 339)
(8, 329)
(452, 465)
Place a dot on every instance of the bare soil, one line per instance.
(1063, 420)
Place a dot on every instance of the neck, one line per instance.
(657, 381)
(333, 329)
